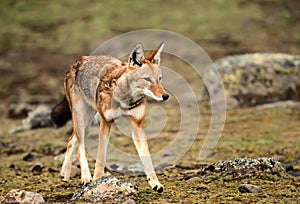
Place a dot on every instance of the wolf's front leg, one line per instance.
(140, 140)
(104, 130)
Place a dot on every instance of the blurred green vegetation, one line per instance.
(73, 26)
(40, 38)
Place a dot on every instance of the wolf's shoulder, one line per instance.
(97, 62)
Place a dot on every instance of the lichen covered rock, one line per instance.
(107, 189)
(253, 79)
(249, 166)
(37, 118)
(22, 197)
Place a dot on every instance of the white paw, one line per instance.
(65, 175)
(86, 178)
(156, 186)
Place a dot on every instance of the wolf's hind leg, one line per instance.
(82, 116)
(67, 165)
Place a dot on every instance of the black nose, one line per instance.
(165, 97)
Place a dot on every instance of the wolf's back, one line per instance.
(60, 113)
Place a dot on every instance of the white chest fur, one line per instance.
(137, 112)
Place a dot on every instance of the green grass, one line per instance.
(239, 139)
(71, 27)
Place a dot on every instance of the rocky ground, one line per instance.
(257, 158)
(30, 161)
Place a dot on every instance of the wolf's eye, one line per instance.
(160, 78)
(147, 79)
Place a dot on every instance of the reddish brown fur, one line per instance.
(95, 83)
(157, 90)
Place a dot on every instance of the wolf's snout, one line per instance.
(165, 97)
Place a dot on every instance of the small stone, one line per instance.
(37, 168)
(135, 168)
(29, 157)
(290, 170)
(22, 197)
(164, 166)
(289, 167)
(210, 168)
(130, 201)
(12, 166)
(194, 180)
(117, 167)
(17, 111)
(249, 188)
(52, 170)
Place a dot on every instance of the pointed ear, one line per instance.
(136, 58)
(154, 56)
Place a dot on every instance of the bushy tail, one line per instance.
(60, 113)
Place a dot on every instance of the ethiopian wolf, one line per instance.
(112, 88)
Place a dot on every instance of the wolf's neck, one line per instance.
(126, 97)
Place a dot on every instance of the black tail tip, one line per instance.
(60, 113)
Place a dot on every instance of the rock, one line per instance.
(280, 104)
(37, 168)
(194, 180)
(117, 168)
(39, 117)
(137, 167)
(52, 170)
(16, 111)
(210, 168)
(22, 197)
(258, 78)
(129, 201)
(249, 188)
(243, 163)
(12, 166)
(164, 166)
(31, 156)
(294, 173)
(246, 167)
(289, 167)
(107, 189)
(290, 170)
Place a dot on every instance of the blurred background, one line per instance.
(40, 39)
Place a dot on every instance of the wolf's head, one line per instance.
(144, 77)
